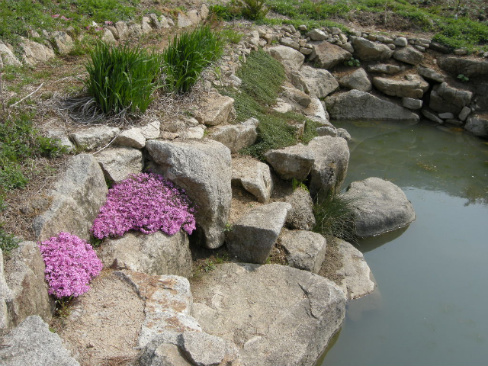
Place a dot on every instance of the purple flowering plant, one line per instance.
(145, 202)
(71, 263)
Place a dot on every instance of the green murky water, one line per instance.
(432, 300)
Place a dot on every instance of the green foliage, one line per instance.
(252, 9)
(457, 23)
(7, 241)
(187, 56)
(334, 216)
(458, 33)
(231, 36)
(352, 62)
(296, 184)
(262, 77)
(122, 78)
(463, 78)
(19, 16)
(19, 141)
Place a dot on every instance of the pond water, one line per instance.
(431, 304)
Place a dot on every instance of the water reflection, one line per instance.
(430, 307)
(424, 156)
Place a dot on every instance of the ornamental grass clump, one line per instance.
(71, 263)
(144, 202)
(187, 56)
(122, 78)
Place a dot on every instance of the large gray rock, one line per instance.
(318, 83)
(291, 162)
(357, 279)
(331, 159)
(33, 344)
(409, 55)
(304, 249)
(5, 298)
(203, 169)
(28, 288)
(94, 137)
(356, 80)
(77, 197)
(254, 176)
(235, 137)
(119, 164)
(300, 216)
(215, 110)
(253, 236)
(356, 105)
(445, 98)
(477, 125)
(460, 65)
(35, 52)
(276, 315)
(7, 57)
(291, 59)
(327, 55)
(370, 51)
(154, 254)
(379, 207)
(414, 88)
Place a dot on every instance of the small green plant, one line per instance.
(463, 78)
(187, 56)
(252, 9)
(231, 36)
(122, 78)
(352, 62)
(296, 184)
(8, 242)
(334, 216)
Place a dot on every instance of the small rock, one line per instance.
(300, 216)
(412, 103)
(254, 176)
(304, 249)
(464, 113)
(94, 137)
(253, 236)
(119, 163)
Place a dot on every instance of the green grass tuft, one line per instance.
(122, 78)
(334, 217)
(187, 56)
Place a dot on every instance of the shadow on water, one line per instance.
(368, 244)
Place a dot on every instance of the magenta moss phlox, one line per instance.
(71, 263)
(145, 202)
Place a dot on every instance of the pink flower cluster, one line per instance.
(144, 202)
(70, 265)
(56, 16)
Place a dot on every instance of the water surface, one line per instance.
(432, 298)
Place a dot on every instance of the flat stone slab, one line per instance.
(379, 207)
(253, 235)
(276, 315)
